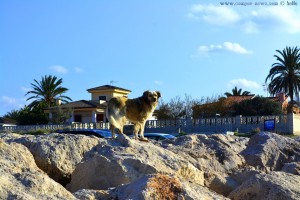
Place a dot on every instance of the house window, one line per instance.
(103, 98)
(78, 118)
(100, 117)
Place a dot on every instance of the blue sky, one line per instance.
(199, 48)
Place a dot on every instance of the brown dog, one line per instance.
(137, 111)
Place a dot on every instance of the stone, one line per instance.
(56, 154)
(123, 160)
(85, 194)
(22, 179)
(216, 152)
(270, 151)
(216, 155)
(272, 186)
(292, 168)
(189, 167)
(160, 186)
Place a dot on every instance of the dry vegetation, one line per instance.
(165, 187)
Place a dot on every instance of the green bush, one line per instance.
(255, 130)
(243, 134)
(35, 132)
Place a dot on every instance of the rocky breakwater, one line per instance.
(59, 166)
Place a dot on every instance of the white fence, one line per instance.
(211, 125)
(289, 124)
(55, 127)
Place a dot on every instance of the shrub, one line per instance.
(165, 187)
(255, 130)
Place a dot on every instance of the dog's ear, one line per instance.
(146, 94)
(158, 94)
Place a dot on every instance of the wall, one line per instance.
(86, 117)
(218, 125)
(95, 96)
(109, 95)
(296, 124)
(285, 124)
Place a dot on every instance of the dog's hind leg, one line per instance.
(142, 128)
(112, 130)
(136, 129)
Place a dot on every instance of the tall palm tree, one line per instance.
(237, 92)
(285, 73)
(46, 92)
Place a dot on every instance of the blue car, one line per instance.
(101, 133)
(157, 136)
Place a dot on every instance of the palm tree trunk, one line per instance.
(290, 105)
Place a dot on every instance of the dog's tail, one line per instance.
(112, 115)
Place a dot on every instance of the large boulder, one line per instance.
(86, 194)
(22, 179)
(269, 151)
(293, 168)
(160, 186)
(225, 183)
(154, 186)
(272, 186)
(56, 154)
(124, 160)
(217, 155)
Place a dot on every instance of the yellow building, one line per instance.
(86, 111)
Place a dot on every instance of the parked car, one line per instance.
(157, 136)
(101, 133)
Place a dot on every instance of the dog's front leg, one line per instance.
(112, 130)
(136, 131)
(142, 130)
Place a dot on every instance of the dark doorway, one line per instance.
(77, 118)
(100, 118)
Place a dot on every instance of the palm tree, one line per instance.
(285, 74)
(237, 92)
(46, 92)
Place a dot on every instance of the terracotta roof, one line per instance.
(82, 104)
(274, 98)
(107, 87)
(238, 99)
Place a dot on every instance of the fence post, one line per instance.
(238, 123)
(189, 124)
(291, 123)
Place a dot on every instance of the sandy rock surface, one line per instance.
(61, 166)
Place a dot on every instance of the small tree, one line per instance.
(61, 115)
(163, 111)
(258, 106)
(176, 108)
(26, 116)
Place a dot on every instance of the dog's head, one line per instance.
(151, 96)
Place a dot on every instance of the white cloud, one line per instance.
(25, 89)
(236, 48)
(225, 47)
(244, 83)
(251, 27)
(212, 14)
(78, 69)
(158, 82)
(263, 18)
(59, 69)
(12, 103)
(279, 18)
